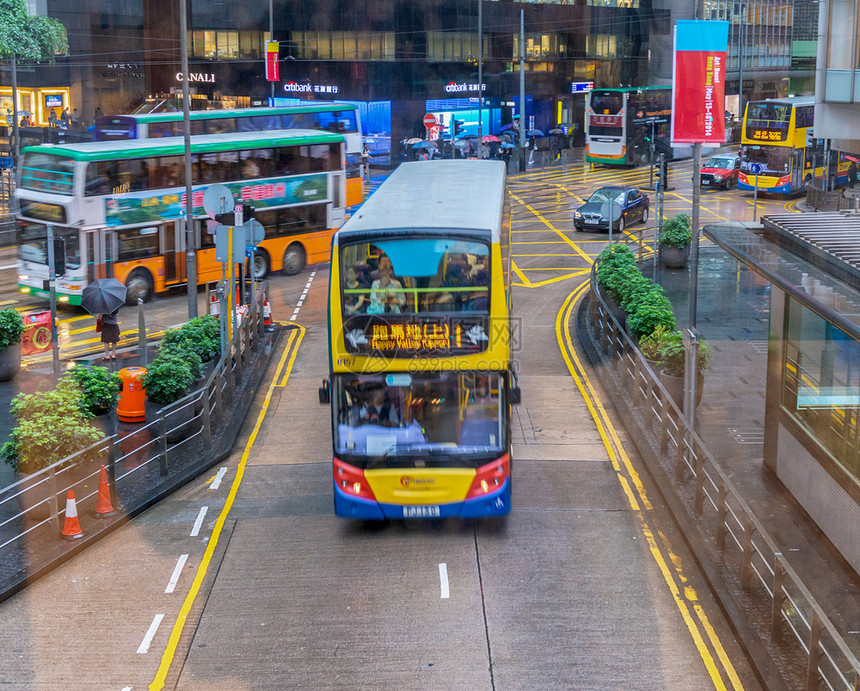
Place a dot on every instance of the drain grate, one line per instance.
(751, 435)
(759, 346)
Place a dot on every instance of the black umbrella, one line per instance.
(103, 296)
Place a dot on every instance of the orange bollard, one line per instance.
(72, 528)
(104, 508)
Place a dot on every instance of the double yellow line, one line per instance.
(292, 346)
(702, 632)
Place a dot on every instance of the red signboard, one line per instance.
(36, 337)
(272, 61)
(698, 88)
(429, 120)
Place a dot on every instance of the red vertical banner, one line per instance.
(36, 337)
(272, 61)
(699, 84)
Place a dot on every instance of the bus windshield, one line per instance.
(415, 274)
(775, 159)
(33, 244)
(46, 173)
(607, 103)
(430, 416)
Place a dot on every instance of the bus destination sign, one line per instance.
(764, 134)
(412, 335)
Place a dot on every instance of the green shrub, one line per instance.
(651, 344)
(677, 231)
(167, 379)
(181, 352)
(616, 264)
(635, 289)
(99, 387)
(11, 327)
(653, 310)
(50, 425)
(201, 335)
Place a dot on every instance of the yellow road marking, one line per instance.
(522, 276)
(607, 431)
(549, 225)
(176, 632)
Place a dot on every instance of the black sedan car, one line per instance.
(625, 204)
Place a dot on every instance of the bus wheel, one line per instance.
(261, 265)
(138, 285)
(294, 259)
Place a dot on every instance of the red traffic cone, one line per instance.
(104, 508)
(72, 528)
(267, 316)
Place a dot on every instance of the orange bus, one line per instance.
(120, 206)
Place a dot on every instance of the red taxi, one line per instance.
(721, 171)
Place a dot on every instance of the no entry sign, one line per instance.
(429, 120)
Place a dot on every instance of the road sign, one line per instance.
(238, 214)
(217, 199)
(429, 120)
(250, 249)
(222, 243)
(756, 168)
(256, 232)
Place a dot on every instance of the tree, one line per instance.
(28, 37)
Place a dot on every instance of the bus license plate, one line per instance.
(592, 220)
(421, 512)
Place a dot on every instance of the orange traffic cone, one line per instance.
(104, 508)
(72, 528)
(267, 316)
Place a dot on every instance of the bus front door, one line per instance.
(797, 169)
(101, 250)
(173, 251)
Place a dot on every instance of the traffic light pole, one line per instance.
(52, 289)
(190, 235)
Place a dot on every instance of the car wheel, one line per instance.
(261, 265)
(621, 225)
(645, 215)
(729, 183)
(294, 259)
(139, 285)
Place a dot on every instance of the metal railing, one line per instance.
(830, 200)
(142, 466)
(775, 598)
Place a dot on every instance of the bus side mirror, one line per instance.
(324, 393)
(516, 396)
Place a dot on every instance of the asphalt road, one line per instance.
(585, 584)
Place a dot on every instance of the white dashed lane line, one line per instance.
(304, 294)
(174, 578)
(198, 523)
(150, 634)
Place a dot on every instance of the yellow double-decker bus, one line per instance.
(778, 141)
(422, 378)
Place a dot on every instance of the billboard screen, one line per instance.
(698, 87)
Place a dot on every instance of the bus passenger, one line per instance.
(353, 303)
(386, 292)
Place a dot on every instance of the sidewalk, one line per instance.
(733, 314)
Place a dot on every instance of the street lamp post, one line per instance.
(190, 235)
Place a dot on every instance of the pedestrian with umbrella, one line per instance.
(104, 297)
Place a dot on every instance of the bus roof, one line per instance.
(237, 112)
(430, 196)
(165, 146)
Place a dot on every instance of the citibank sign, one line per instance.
(196, 77)
(454, 87)
(293, 87)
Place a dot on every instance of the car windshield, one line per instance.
(720, 162)
(605, 194)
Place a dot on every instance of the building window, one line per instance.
(342, 45)
(821, 387)
(542, 46)
(454, 46)
(601, 46)
(228, 45)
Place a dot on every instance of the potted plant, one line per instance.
(675, 239)
(11, 328)
(201, 335)
(674, 356)
(168, 378)
(50, 426)
(99, 388)
(651, 344)
(616, 264)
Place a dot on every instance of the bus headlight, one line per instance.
(63, 298)
(23, 277)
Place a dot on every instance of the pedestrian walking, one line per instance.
(109, 326)
(52, 118)
(76, 119)
(365, 162)
(64, 118)
(852, 174)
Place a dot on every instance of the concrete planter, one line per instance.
(674, 257)
(10, 362)
(675, 386)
